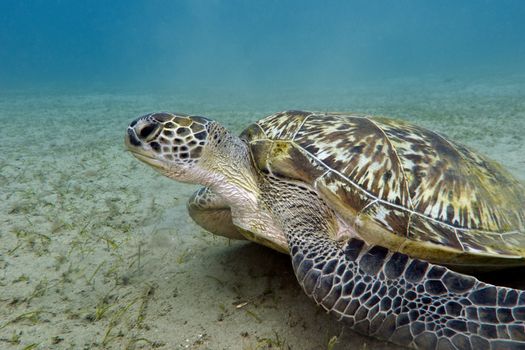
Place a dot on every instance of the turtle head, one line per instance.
(185, 148)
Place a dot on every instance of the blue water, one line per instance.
(252, 45)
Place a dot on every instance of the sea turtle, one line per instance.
(369, 209)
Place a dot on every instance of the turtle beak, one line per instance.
(136, 148)
(137, 139)
(131, 140)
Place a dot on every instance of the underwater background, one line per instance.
(253, 45)
(97, 251)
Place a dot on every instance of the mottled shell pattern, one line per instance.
(399, 185)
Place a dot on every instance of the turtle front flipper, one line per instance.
(390, 295)
(408, 301)
(212, 213)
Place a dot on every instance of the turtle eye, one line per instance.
(146, 131)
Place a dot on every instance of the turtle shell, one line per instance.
(399, 185)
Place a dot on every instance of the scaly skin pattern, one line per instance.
(387, 294)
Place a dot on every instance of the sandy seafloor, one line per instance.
(97, 250)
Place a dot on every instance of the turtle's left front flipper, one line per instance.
(408, 301)
(390, 295)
